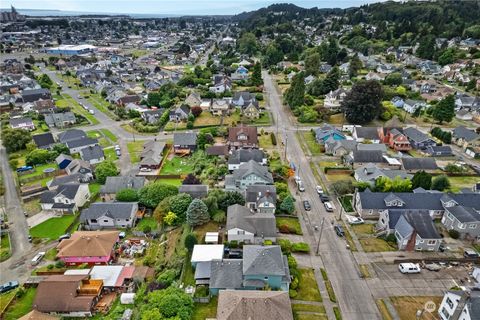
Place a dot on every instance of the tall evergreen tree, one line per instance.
(257, 74)
(363, 103)
(422, 179)
(296, 93)
(444, 110)
(355, 65)
(197, 213)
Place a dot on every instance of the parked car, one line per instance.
(24, 168)
(29, 238)
(297, 178)
(301, 188)
(117, 147)
(306, 205)
(118, 153)
(354, 220)
(319, 189)
(63, 237)
(470, 253)
(91, 111)
(324, 198)
(433, 267)
(8, 286)
(409, 267)
(328, 206)
(145, 169)
(38, 257)
(339, 230)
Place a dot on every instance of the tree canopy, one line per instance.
(197, 213)
(151, 194)
(105, 169)
(363, 103)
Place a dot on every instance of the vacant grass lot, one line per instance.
(110, 154)
(407, 307)
(107, 133)
(177, 165)
(4, 247)
(21, 306)
(291, 223)
(72, 103)
(458, 183)
(311, 143)
(135, 149)
(365, 233)
(307, 287)
(148, 221)
(173, 182)
(265, 141)
(52, 228)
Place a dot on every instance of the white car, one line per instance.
(38, 257)
(117, 147)
(319, 189)
(91, 112)
(145, 169)
(409, 267)
(354, 220)
(297, 179)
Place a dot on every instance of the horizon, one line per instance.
(171, 7)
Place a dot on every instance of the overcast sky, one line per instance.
(197, 7)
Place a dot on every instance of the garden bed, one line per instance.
(292, 224)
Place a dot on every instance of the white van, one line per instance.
(38, 258)
(409, 268)
(328, 206)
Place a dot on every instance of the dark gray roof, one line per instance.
(72, 134)
(370, 133)
(415, 134)
(373, 156)
(47, 196)
(185, 139)
(226, 274)
(67, 190)
(115, 184)
(464, 133)
(464, 214)
(203, 270)
(43, 139)
(422, 224)
(441, 149)
(196, 191)
(92, 153)
(81, 142)
(245, 155)
(395, 214)
(73, 178)
(260, 224)
(252, 167)
(263, 260)
(152, 153)
(52, 118)
(419, 163)
(16, 121)
(218, 150)
(428, 201)
(371, 146)
(116, 210)
(255, 192)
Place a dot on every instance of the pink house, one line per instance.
(91, 247)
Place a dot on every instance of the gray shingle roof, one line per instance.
(419, 164)
(260, 224)
(254, 192)
(370, 133)
(185, 139)
(43, 139)
(428, 201)
(373, 156)
(422, 224)
(17, 121)
(415, 135)
(263, 260)
(116, 210)
(81, 142)
(72, 134)
(463, 133)
(372, 146)
(252, 167)
(115, 184)
(226, 274)
(245, 155)
(194, 190)
(67, 190)
(203, 270)
(92, 153)
(464, 214)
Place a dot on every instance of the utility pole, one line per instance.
(320, 236)
(286, 140)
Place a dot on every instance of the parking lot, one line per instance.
(388, 281)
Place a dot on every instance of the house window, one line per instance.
(431, 242)
(241, 232)
(93, 220)
(462, 225)
(472, 226)
(445, 313)
(450, 303)
(127, 219)
(105, 220)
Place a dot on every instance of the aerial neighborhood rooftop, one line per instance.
(283, 163)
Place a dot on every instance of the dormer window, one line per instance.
(242, 137)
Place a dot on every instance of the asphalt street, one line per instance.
(353, 293)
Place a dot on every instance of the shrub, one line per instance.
(301, 247)
(190, 241)
(285, 244)
(292, 293)
(274, 138)
(60, 264)
(391, 238)
(190, 125)
(20, 293)
(284, 228)
(50, 267)
(454, 234)
(267, 242)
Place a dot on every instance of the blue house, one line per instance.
(63, 161)
(326, 132)
(397, 101)
(261, 267)
(242, 70)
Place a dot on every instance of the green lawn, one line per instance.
(68, 101)
(53, 227)
(263, 120)
(98, 102)
(188, 274)
(173, 182)
(311, 143)
(37, 171)
(177, 165)
(110, 154)
(94, 188)
(135, 149)
(307, 287)
(265, 141)
(292, 223)
(365, 233)
(4, 247)
(147, 221)
(51, 254)
(346, 202)
(107, 133)
(102, 140)
(458, 183)
(21, 306)
(205, 310)
(5, 299)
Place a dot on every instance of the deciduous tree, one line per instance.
(105, 169)
(363, 103)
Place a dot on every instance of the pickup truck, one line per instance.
(8, 286)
